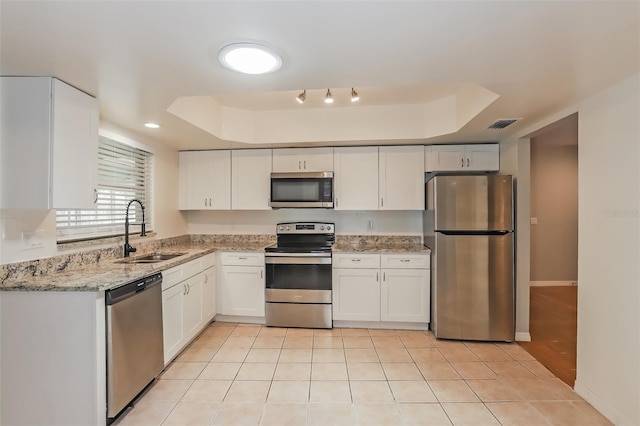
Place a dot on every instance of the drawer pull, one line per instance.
(404, 260)
(356, 260)
(242, 258)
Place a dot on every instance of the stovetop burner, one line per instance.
(303, 237)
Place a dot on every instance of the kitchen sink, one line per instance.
(151, 258)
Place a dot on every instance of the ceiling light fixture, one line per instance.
(354, 95)
(152, 125)
(302, 96)
(250, 58)
(328, 98)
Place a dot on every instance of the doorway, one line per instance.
(554, 248)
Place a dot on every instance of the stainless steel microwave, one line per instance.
(302, 190)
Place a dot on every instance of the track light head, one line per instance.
(302, 96)
(354, 95)
(328, 99)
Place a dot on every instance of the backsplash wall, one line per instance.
(264, 222)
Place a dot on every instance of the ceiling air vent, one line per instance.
(502, 123)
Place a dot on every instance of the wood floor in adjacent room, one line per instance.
(553, 328)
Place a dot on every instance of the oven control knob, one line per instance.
(322, 228)
(288, 228)
(281, 228)
(328, 228)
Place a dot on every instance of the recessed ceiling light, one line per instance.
(250, 58)
(152, 125)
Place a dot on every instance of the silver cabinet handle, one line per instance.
(261, 273)
(206, 278)
(205, 202)
(95, 195)
(242, 258)
(384, 276)
(404, 260)
(467, 162)
(356, 260)
(381, 202)
(184, 289)
(336, 202)
(299, 165)
(377, 276)
(462, 162)
(188, 289)
(210, 202)
(305, 164)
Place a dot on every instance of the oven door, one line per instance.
(302, 190)
(298, 272)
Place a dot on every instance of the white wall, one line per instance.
(263, 222)
(168, 222)
(608, 362)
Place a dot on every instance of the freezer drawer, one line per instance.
(473, 287)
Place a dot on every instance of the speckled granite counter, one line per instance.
(98, 270)
(379, 244)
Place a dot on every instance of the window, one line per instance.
(124, 173)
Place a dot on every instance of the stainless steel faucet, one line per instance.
(127, 247)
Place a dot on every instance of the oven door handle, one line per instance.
(298, 260)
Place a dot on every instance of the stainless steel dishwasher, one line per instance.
(134, 340)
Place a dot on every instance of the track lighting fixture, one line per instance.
(354, 95)
(328, 98)
(302, 96)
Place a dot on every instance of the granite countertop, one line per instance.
(107, 274)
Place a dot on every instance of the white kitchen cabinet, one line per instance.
(241, 288)
(356, 294)
(356, 178)
(49, 137)
(209, 295)
(303, 160)
(187, 295)
(250, 178)
(405, 295)
(386, 288)
(205, 180)
(467, 158)
(401, 177)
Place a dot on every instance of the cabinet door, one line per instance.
(241, 291)
(75, 148)
(356, 178)
(405, 295)
(401, 177)
(205, 180)
(447, 157)
(172, 321)
(482, 157)
(193, 305)
(303, 160)
(209, 295)
(250, 178)
(356, 294)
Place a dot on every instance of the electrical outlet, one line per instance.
(370, 224)
(32, 239)
(534, 220)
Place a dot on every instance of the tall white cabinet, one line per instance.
(250, 178)
(49, 137)
(205, 180)
(401, 177)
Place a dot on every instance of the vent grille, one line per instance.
(502, 123)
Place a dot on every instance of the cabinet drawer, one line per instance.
(413, 261)
(242, 259)
(173, 276)
(356, 261)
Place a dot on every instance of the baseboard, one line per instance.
(381, 325)
(552, 283)
(523, 336)
(613, 415)
(239, 319)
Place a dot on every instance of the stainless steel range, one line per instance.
(298, 280)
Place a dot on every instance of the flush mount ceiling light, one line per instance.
(354, 95)
(250, 58)
(302, 96)
(152, 125)
(328, 98)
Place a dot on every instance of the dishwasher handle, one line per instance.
(125, 291)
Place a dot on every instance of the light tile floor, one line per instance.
(241, 374)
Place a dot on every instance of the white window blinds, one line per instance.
(124, 173)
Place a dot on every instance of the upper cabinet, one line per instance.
(472, 157)
(205, 180)
(356, 178)
(303, 160)
(250, 177)
(401, 177)
(49, 136)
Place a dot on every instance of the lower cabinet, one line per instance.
(187, 304)
(387, 288)
(241, 287)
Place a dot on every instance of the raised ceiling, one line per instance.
(139, 58)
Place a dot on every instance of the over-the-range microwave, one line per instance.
(302, 190)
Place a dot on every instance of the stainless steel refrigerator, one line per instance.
(468, 224)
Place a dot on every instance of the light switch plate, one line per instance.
(534, 220)
(32, 239)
